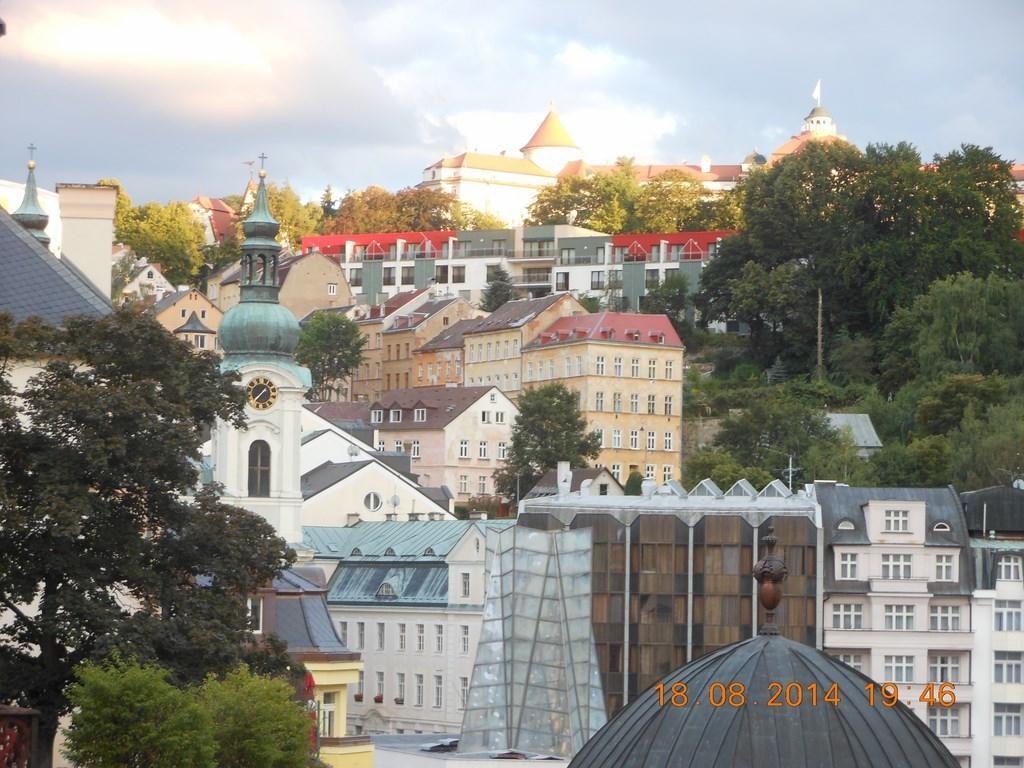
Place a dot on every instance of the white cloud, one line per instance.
(582, 62)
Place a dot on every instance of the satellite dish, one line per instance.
(395, 501)
(1018, 484)
(571, 216)
(352, 451)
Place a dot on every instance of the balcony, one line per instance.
(530, 279)
(545, 254)
(581, 260)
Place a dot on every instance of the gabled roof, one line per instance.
(655, 330)
(193, 325)
(443, 405)
(452, 336)
(222, 216)
(392, 305)
(34, 282)
(343, 415)
(515, 314)
(716, 172)
(329, 473)
(550, 133)
(548, 484)
(420, 315)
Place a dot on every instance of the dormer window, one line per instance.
(897, 521)
(385, 590)
(941, 527)
(1008, 568)
(845, 525)
(356, 552)
(419, 414)
(429, 552)
(389, 552)
(395, 416)
(376, 416)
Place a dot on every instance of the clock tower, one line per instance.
(258, 466)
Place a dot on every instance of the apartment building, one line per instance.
(897, 595)
(995, 521)
(628, 372)
(456, 436)
(373, 320)
(439, 362)
(410, 330)
(493, 347)
(407, 596)
(190, 316)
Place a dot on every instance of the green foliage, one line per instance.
(413, 209)
(126, 714)
(498, 291)
(671, 298)
(120, 274)
(670, 202)
(331, 346)
(772, 426)
(550, 428)
(989, 450)
(168, 235)
(296, 218)
(590, 303)
(634, 484)
(924, 462)
(837, 459)
(944, 402)
(851, 359)
(124, 212)
(96, 476)
(257, 724)
(722, 468)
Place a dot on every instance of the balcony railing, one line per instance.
(532, 278)
(580, 260)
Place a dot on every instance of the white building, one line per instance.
(409, 597)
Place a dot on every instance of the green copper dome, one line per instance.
(259, 327)
(30, 213)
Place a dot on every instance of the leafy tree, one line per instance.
(121, 273)
(944, 403)
(331, 346)
(989, 450)
(851, 359)
(634, 484)
(550, 428)
(722, 468)
(99, 534)
(373, 209)
(724, 210)
(498, 291)
(256, 721)
(297, 219)
(413, 209)
(167, 235)
(670, 202)
(466, 217)
(771, 427)
(924, 462)
(124, 212)
(126, 714)
(327, 202)
(591, 303)
(604, 202)
(671, 298)
(838, 460)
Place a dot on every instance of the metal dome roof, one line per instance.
(818, 111)
(852, 734)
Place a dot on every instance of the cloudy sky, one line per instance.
(173, 96)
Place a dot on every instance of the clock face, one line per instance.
(262, 393)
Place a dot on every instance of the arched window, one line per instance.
(389, 552)
(259, 468)
(386, 590)
(941, 527)
(845, 525)
(429, 552)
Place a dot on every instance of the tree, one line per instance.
(128, 715)
(670, 202)
(988, 450)
(327, 202)
(121, 273)
(124, 212)
(604, 202)
(549, 429)
(369, 210)
(98, 461)
(838, 460)
(168, 235)
(671, 298)
(591, 303)
(945, 401)
(331, 346)
(634, 484)
(498, 290)
(722, 468)
(297, 219)
(466, 217)
(773, 426)
(256, 721)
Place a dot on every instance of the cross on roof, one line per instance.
(32, 151)
(262, 156)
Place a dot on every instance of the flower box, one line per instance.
(378, 699)
(359, 697)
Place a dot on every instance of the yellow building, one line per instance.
(628, 371)
(190, 316)
(492, 351)
(368, 382)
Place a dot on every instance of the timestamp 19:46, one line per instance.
(735, 694)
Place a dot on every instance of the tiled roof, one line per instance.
(655, 330)
(796, 143)
(643, 173)
(550, 133)
(443, 405)
(327, 311)
(452, 336)
(34, 282)
(393, 304)
(514, 314)
(168, 300)
(421, 314)
(500, 163)
(193, 325)
(409, 540)
(418, 584)
(340, 414)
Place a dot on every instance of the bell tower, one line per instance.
(259, 465)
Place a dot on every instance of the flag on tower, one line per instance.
(817, 93)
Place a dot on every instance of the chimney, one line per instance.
(87, 221)
(391, 516)
(352, 518)
(434, 516)
(563, 477)
(414, 516)
(477, 514)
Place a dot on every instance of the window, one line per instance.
(438, 691)
(617, 367)
(943, 669)
(439, 637)
(463, 483)
(1008, 667)
(599, 363)
(634, 403)
(1009, 616)
(597, 280)
(420, 637)
(381, 446)
(372, 501)
(943, 721)
(458, 274)
(634, 439)
(465, 584)
(634, 368)
(419, 690)
(400, 687)
(848, 565)
(1006, 721)
(463, 449)
(380, 636)
(616, 469)
(395, 416)
(463, 692)
(616, 438)
(485, 417)
(897, 520)
(254, 607)
(482, 485)
(419, 414)
(332, 289)
(499, 417)
(667, 443)
(650, 471)
(415, 449)
(600, 436)
(668, 405)
(1008, 568)
(669, 365)
(899, 617)
(200, 341)
(401, 637)
(944, 618)
(360, 635)
(465, 639)
(149, 274)
(380, 684)
(854, 660)
(652, 404)
(652, 369)
(398, 446)
(617, 402)
(359, 685)
(483, 449)
(847, 616)
(259, 469)
(343, 632)
(376, 416)
(599, 401)
(666, 473)
(1008, 762)
(502, 449)
(183, 313)
(652, 441)
(943, 567)
(896, 566)
(898, 669)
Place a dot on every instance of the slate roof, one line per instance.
(650, 734)
(515, 314)
(409, 540)
(419, 584)
(327, 474)
(193, 325)
(1001, 507)
(548, 484)
(443, 405)
(301, 617)
(36, 283)
(860, 425)
(452, 336)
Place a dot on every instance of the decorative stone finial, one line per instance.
(770, 571)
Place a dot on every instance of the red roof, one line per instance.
(222, 216)
(610, 326)
(377, 311)
(335, 244)
(698, 241)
